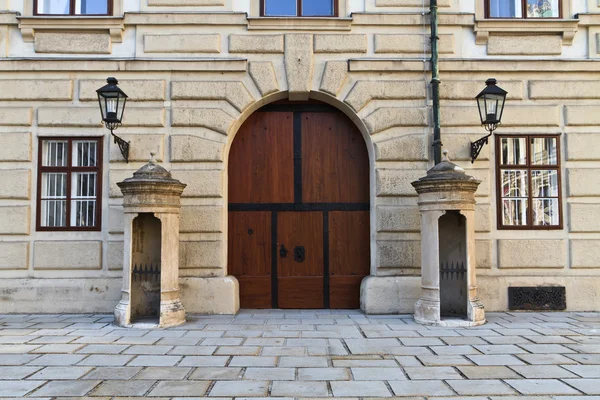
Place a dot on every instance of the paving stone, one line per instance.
(587, 386)
(57, 359)
(193, 350)
(547, 348)
(301, 389)
(585, 348)
(241, 388)
(488, 372)
(542, 339)
(540, 386)
(61, 373)
(498, 340)
(284, 351)
(543, 371)
(18, 388)
(378, 374)
(364, 363)
(106, 360)
(148, 350)
(541, 359)
(421, 388)
(495, 360)
(11, 373)
(270, 374)
(463, 340)
(480, 387)
(17, 348)
(221, 342)
(409, 361)
(178, 388)
(593, 359)
(417, 373)
(303, 362)
(163, 373)
(66, 388)
(253, 361)
(500, 349)
(103, 349)
(109, 373)
(323, 374)
(154, 361)
(584, 371)
(444, 360)
(454, 350)
(238, 350)
(216, 374)
(421, 342)
(264, 342)
(179, 342)
(204, 361)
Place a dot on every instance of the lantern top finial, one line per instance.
(491, 81)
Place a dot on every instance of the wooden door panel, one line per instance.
(335, 163)
(344, 291)
(300, 292)
(295, 229)
(255, 292)
(261, 160)
(349, 252)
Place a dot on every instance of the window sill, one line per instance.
(564, 27)
(300, 23)
(112, 25)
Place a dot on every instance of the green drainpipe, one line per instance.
(435, 83)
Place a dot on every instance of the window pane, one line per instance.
(317, 8)
(505, 9)
(54, 204)
(53, 7)
(543, 151)
(514, 151)
(280, 8)
(514, 183)
(91, 7)
(514, 211)
(83, 199)
(545, 212)
(542, 8)
(54, 153)
(84, 153)
(544, 183)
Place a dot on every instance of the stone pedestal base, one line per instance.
(122, 314)
(172, 314)
(389, 294)
(427, 312)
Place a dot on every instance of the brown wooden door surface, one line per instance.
(299, 209)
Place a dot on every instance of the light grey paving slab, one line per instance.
(241, 388)
(264, 342)
(67, 388)
(284, 351)
(154, 361)
(58, 348)
(547, 348)
(270, 374)
(480, 387)
(137, 340)
(430, 341)
(495, 359)
(488, 372)
(593, 359)
(148, 349)
(238, 350)
(378, 374)
(216, 374)
(181, 341)
(18, 388)
(420, 373)
(540, 386)
(222, 341)
(360, 388)
(585, 348)
(303, 362)
(106, 360)
(254, 361)
(204, 361)
(543, 339)
(500, 349)
(96, 339)
(584, 371)
(409, 361)
(323, 374)
(123, 388)
(13, 373)
(17, 348)
(300, 389)
(541, 359)
(57, 359)
(178, 388)
(498, 340)
(18, 339)
(113, 373)
(61, 373)
(462, 340)
(364, 363)
(454, 350)
(543, 371)
(421, 388)
(164, 373)
(444, 360)
(587, 386)
(193, 350)
(103, 349)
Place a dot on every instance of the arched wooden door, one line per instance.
(299, 208)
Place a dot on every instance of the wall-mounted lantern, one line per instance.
(491, 105)
(112, 106)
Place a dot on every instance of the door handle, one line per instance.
(283, 251)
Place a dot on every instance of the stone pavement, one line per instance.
(298, 354)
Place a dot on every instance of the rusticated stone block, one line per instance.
(344, 43)
(584, 217)
(553, 89)
(466, 90)
(211, 118)
(84, 117)
(16, 116)
(398, 219)
(256, 44)
(389, 117)
(35, 89)
(190, 43)
(233, 92)
(15, 183)
(396, 182)
(515, 115)
(299, 65)
(483, 222)
(263, 75)
(483, 175)
(72, 43)
(140, 151)
(584, 182)
(483, 253)
(399, 254)
(67, 255)
(459, 146)
(15, 255)
(585, 253)
(525, 45)
(200, 255)
(364, 91)
(15, 147)
(115, 256)
(187, 148)
(583, 115)
(415, 44)
(115, 220)
(201, 219)
(405, 148)
(203, 183)
(334, 77)
(531, 253)
(14, 220)
(582, 146)
(115, 176)
(137, 90)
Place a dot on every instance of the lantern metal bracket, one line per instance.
(477, 145)
(123, 146)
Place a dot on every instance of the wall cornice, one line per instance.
(564, 27)
(185, 18)
(111, 25)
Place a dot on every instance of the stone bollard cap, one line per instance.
(151, 172)
(446, 172)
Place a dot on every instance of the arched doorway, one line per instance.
(298, 232)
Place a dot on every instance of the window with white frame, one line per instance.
(523, 8)
(69, 184)
(72, 7)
